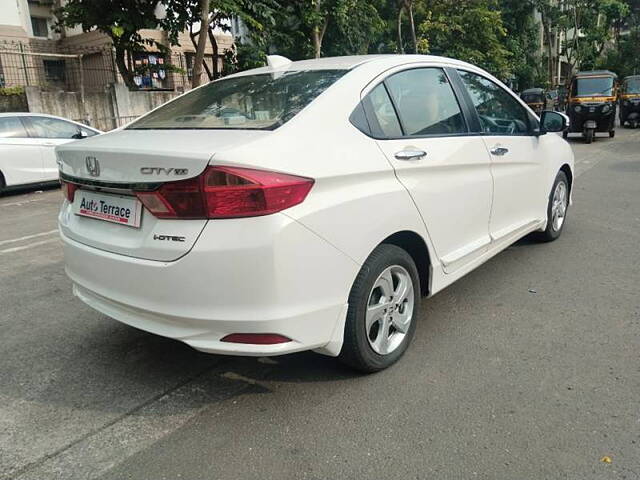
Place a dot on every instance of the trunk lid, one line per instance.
(139, 159)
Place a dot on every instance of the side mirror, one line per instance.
(551, 121)
(79, 135)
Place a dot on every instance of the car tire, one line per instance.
(3, 184)
(557, 207)
(589, 136)
(612, 134)
(387, 286)
(565, 134)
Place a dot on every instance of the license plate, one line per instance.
(120, 209)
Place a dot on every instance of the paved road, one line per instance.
(528, 368)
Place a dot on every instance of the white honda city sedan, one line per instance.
(27, 142)
(309, 205)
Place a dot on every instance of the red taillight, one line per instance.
(256, 338)
(68, 190)
(227, 192)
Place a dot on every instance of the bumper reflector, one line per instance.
(256, 338)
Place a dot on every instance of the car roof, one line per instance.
(352, 61)
(32, 114)
(533, 90)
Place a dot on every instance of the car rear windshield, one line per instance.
(593, 86)
(251, 102)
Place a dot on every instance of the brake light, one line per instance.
(69, 190)
(227, 192)
(256, 338)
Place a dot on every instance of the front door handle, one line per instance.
(410, 154)
(499, 151)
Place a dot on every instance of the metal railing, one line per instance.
(48, 67)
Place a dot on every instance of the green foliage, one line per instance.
(469, 30)
(502, 36)
(8, 91)
(523, 41)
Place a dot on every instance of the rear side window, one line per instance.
(383, 112)
(11, 127)
(498, 111)
(426, 103)
(252, 102)
(45, 127)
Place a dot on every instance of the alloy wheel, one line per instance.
(389, 310)
(559, 205)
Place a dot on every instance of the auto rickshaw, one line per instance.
(591, 105)
(535, 98)
(630, 101)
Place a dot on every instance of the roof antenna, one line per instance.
(277, 61)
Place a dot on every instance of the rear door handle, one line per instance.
(499, 151)
(410, 154)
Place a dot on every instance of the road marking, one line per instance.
(25, 247)
(28, 237)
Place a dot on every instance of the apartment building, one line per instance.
(33, 53)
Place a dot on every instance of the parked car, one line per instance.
(343, 191)
(27, 142)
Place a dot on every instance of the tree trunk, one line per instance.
(195, 45)
(216, 56)
(202, 43)
(412, 25)
(125, 73)
(549, 43)
(317, 34)
(400, 46)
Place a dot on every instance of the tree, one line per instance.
(470, 30)
(202, 44)
(522, 41)
(121, 20)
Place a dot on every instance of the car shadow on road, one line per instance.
(29, 190)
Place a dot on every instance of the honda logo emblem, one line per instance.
(93, 166)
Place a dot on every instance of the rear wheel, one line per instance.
(565, 134)
(2, 184)
(383, 306)
(556, 209)
(612, 133)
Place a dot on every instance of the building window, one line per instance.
(54, 70)
(40, 27)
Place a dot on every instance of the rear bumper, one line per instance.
(278, 278)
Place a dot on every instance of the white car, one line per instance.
(27, 142)
(309, 205)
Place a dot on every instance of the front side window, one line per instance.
(45, 127)
(499, 112)
(592, 86)
(251, 102)
(426, 103)
(11, 127)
